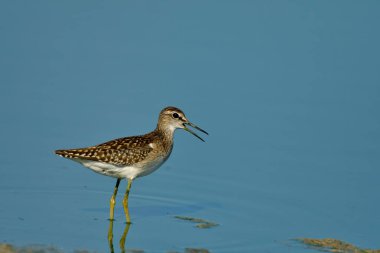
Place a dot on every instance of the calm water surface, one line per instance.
(289, 93)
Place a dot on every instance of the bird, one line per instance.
(135, 156)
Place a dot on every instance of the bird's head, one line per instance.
(172, 118)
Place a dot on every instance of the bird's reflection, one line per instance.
(122, 239)
(125, 233)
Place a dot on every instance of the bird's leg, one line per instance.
(113, 199)
(125, 201)
(110, 236)
(123, 237)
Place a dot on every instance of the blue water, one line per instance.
(289, 92)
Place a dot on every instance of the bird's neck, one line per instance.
(166, 132)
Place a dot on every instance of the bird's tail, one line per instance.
(64, 153)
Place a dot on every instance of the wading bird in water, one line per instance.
(135, 156)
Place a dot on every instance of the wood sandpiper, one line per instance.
(135, 156)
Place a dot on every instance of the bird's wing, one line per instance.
(121, 152)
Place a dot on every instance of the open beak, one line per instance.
(194, 126)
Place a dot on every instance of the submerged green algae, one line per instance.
(335, 246)
(200, 223)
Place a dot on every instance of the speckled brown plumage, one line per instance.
(121, 152)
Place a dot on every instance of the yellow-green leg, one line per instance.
(123, 237)
(110, 236)
(125, 201)
(113, 199)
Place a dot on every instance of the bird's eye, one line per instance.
(175, 115)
